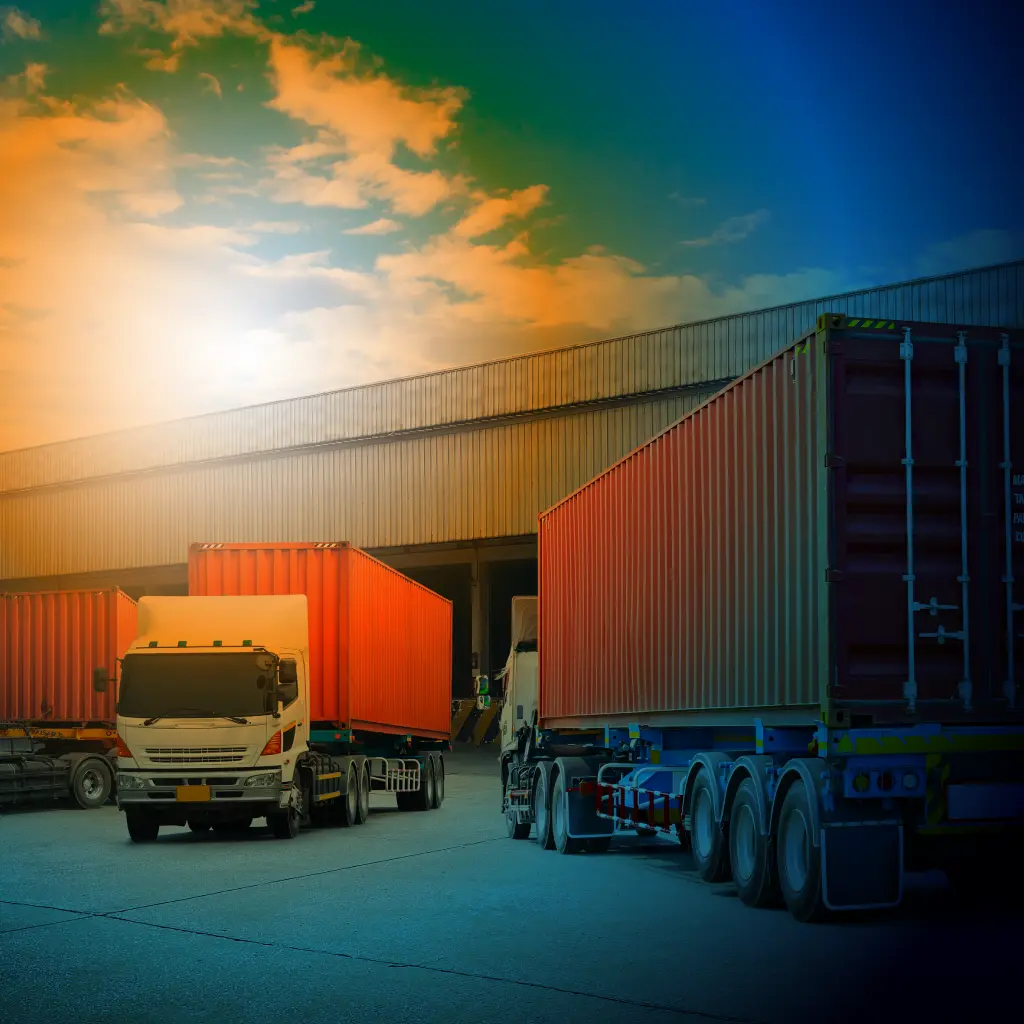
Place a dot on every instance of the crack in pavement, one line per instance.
(248, 885)
(453, 972)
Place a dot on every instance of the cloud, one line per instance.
(30, 81)
(187, 22)
(494, 211)
(278, 227)
(688, 200)
(977, 249)
(381, 226)
(303, 8)
(18, 25)
(212, 83)
(735, 229)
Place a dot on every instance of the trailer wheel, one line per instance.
(141, 827)
(363, 794)
(438, 781)
(798, 858)
(540, 799)
(427, 785)
(560, 821)
(91, 783)
(350, 801)
(709, 853)
(750, 852)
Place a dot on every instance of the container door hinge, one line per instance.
(834, 575)
(833, 461)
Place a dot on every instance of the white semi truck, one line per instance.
(214, 730)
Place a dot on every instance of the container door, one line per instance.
(925, 525)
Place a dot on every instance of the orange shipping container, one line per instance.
(49, 645)
(380, 644)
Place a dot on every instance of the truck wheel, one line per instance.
(427, 787)
(141, 827)
(539, 798)
(91, 783)
(284, 824)
(363, 794)
(709, 853)
(750, 852)
(559, 819)
(799, 859)
(406, 801)
(350, 800)
(438, 781)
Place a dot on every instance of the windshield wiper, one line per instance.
(196, 713)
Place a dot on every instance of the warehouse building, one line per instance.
(441, 475)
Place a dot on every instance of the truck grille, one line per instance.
(194, 755)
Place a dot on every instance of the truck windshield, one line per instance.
(207, 685)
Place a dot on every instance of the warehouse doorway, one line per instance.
(454, 582)
(507, 580)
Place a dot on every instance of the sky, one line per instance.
(206, 204)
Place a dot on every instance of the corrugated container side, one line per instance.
(400, 655)
(652, 599)
(755, 555)
(374, 663)
(49, 645)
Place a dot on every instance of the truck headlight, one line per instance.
(262, 781)
(133, 782)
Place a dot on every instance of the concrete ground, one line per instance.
(439, 916)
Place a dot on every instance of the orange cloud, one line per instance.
(20, 25)
(212, 83)
(381, 226)
(494, 211)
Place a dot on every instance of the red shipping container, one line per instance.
(755, 557)
(49, 645)
(380, 643)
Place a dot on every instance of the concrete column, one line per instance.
(480, 604)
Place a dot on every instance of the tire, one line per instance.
(350, 798)
(285, 824)
(559, 821)
(91, 783)
(708, 845)
(438, 781)
(363, 795)
(427, 788)
(199, 826)
(799, 860)
(751, 859)
(540, 798)
(407, 801)
(515, 829)
(141, 827)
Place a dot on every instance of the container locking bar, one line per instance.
(910, 686)
(1010, 685)
(960, 355)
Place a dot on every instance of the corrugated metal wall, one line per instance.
(477, 480)
(652, 361)
(486, 482)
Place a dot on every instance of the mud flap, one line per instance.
(583, 820)
(862, 866)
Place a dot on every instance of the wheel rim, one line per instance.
(794, 851)
(352, 796)
(744, 831)
(540, 812)
(439, 780)
(364, 796)
(704, 823)
(428, 771)
(557, 821)
(92, 784)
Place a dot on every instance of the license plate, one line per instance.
(193, 794)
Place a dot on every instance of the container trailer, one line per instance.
(785, 630)
(291, 682)
(57, 735)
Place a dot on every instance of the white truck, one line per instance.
(213, 726)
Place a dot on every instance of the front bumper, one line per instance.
(201, 796)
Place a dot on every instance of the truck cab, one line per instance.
(519, 680)
(212, 715)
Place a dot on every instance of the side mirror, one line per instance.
(100, 678)
(288, 676)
